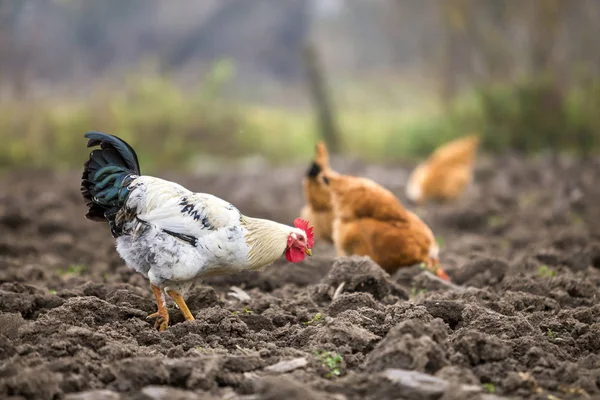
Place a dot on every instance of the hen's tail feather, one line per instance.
(106, 176)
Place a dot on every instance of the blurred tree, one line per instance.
(265, 32)
(96, 24)
(14, 52)
(487, 26)
(547, 17)
(410, 26)
(584, 29)
(454, 14)
(320, 97)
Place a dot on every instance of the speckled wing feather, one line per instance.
(192, 216)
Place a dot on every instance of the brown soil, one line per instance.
(523, 245)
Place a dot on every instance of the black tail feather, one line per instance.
(106, 175)
(110, 142)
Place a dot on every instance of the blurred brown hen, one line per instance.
(370, 221)
(318, 209)
(446, 173)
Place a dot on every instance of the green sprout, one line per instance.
(414, 292)
(318, 317)
(75, 269)
(577, 219)
(546, 272)
(331, 361)
(495, 221)
(489, 387)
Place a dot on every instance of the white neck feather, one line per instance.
(267, 241)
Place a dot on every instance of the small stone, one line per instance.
(416, 385)
(94, 395)
(169, 393)
(287, 365)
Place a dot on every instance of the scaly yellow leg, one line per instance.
(181, 304)
(162, 315)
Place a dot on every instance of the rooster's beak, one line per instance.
(308, 251)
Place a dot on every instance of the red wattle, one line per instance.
(294, 254)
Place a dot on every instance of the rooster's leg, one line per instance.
(162, 315)
(181, 304)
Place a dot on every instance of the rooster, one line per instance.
(173, 236)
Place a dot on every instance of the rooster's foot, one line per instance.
(162, 320)
(162, 315)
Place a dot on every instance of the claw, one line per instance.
(162, 315)
(162, 320)
(161, 324)
(153, 315)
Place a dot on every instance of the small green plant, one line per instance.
(52, 291)
(75, 269)
(247, 311)
(489, 387)
(551, 335)
(546, 272)
(433, 269)
(495, 221)
(527, 199)
(414, 292)
(331, 361)
(577, 219)
(318, 317)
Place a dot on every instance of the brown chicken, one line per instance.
(370, 221)
(445, 175)
(318, 209)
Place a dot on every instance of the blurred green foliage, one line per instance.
(536, 114)
(171, 128)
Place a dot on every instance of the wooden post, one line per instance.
(320, 98)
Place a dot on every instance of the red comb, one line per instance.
(303, 224)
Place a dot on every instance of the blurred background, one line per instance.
(195, 84)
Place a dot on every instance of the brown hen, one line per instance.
(370, 221)
(445, 175)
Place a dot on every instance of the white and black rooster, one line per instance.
(173, 236)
